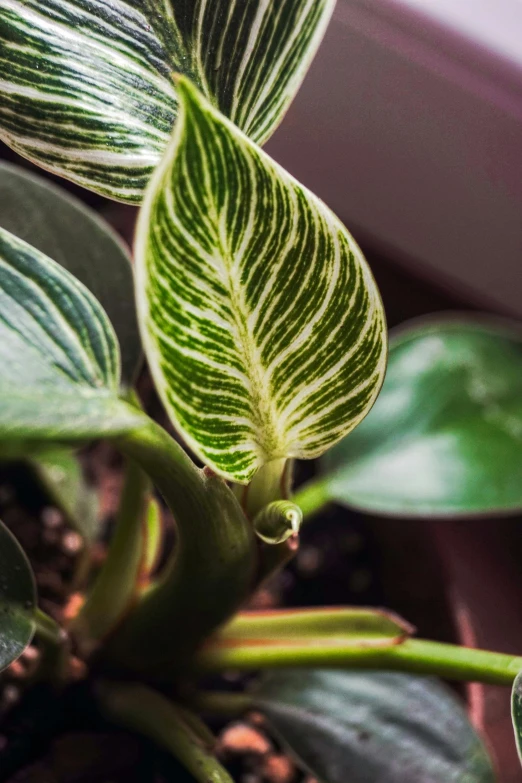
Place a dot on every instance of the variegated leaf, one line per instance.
(261, 321)
(63, 228)
(59, 358)
(86, 85)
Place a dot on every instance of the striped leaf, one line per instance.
(369, 727)
(86, 85)
(59, 358)
(261, 322)
(52, 221)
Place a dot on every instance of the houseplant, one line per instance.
(265, 335)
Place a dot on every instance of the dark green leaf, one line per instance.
(59, 359)
(62, 228)
(17, 599)
(445, 435)
(86, 86)
(364, 727)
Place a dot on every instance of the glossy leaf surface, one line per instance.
(17, 599)
(61, 227)
(59, 359)
(61, 474)
(86, 86)
(262, 324)
(365, 727)
(445, 436)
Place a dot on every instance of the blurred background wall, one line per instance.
(409, 126)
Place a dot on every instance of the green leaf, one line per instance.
(17, 599)
(516, 712)
(59, 360)
(262, 324)
(61, 474)
(367, 727)
(86, 86)
(60, 226)
(445, 436)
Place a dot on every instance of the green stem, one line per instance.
(48, 629)
(212, 571)
(172, 727)
(415, 655)
(115, 587)
(55, 641)
(269, 483)
(312, 497)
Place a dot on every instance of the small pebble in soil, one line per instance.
(73, 606)
(71, 542)
(16, 670)
(31, 654)
(77, 669)
(241, 738)
(278, 769)
(256, 719)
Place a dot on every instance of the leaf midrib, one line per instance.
(265, 415)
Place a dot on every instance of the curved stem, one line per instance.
(48, 629)
(174, 728)
(116, 585)
(212, 572)
(414, 655)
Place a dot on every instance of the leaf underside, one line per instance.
(61, 227)
(364, 727)
(86, 85)
(263, 327)
(59, 360)
(445, 436)
(17, 599)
